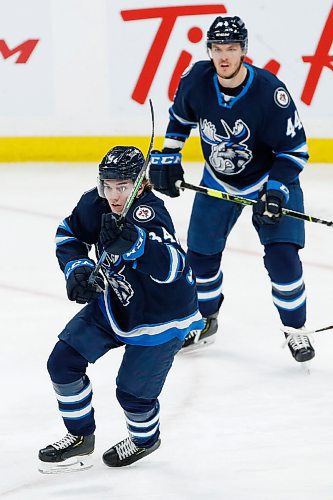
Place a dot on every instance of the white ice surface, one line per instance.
(240, 419)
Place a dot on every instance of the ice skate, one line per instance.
(69, 454)
(299, 345)
(126, 452)
(199, 338)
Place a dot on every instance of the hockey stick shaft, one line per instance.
(323, 329)
(131, 197)
(294, 331)
(246, 201)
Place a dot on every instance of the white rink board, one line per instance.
(86, 74)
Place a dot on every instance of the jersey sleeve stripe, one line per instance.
(176, 265)
(60, 240)
(181, 120)
(64, 225)
(172, 143)
(301, 148)
(297, 160)
(170, 134)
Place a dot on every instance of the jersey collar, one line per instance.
(231, 102)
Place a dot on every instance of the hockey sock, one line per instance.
(209, 279)
(143, 428)
(73, 389)
(288, 290)
(74, 401)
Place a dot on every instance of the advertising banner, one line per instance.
(76, 73)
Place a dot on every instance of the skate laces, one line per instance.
(66, 441)
(196, 333)
(297, 341)
(126, 448)
(192, 334)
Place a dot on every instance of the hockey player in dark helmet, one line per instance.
(118, 171)
(149, 305)
(227, 46)
(254, 145)
(228, 30)
(121, 162)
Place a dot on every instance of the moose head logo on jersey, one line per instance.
(121, 287)
(229, 155)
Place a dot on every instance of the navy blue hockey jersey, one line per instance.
(151, 295)
(247, 139)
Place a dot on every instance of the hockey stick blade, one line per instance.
(245, 201)
(131, 196)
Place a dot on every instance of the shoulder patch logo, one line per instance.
(143, 213)
(281, 97)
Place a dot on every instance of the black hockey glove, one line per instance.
(119, 236)
(77, 274)
(165, 170)
(272, 199)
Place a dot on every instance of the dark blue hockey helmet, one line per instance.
(228, 30)
(120, 163)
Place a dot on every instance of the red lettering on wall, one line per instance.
(194, 35)
(24, 50)
(319, 60)
(168, 17)
(273, 66)
(183, 62)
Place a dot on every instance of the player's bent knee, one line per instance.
(65, 364)
(133, 404)
(281, 256)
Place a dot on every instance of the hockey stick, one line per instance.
(131, 196)
(245, 201)
(289, 330)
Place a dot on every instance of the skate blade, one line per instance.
(73, 464)
(306, 367)
(197, 345)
